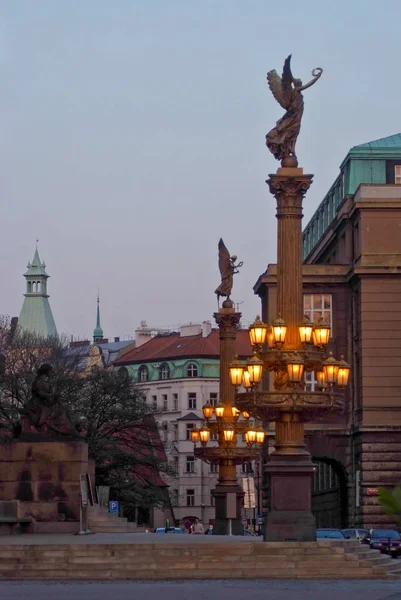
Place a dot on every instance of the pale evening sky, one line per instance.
(133, 133)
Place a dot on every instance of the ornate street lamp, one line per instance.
(330, 370)
(343, 374)
(204, 435)
(306, 330)
(321, 334)
(295, 369)
(195, 435)
(207, 410)
(255, 369)
(236, 371)
(246, 382)
(219, 411)
(258, 333)
(279, 331)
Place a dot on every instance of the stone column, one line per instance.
(228, 493)
(289, 467)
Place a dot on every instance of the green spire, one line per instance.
(36, 315)
(98, 331)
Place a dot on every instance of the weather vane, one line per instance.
(287, 91)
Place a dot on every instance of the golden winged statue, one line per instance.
(227, 268)
(287, 91)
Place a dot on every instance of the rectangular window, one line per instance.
(214, 437)
(190, 464)
(165, 402)
(213, 398)
(214, 468)
(190, 497)
(310, 382)
(174, 465)
(247, 468)
(397, 174)
(317, 307)
(154, 402)
(191, 400)
(175, 401)
(175, 432)
(190, 426)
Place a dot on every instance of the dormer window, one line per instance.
(143, 373)
(164, 371)
(192, 370)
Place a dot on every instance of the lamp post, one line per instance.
(288, 348)
(228, 423)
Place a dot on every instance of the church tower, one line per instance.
(36, 315)
(98, 331)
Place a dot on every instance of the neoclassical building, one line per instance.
(352, 279)
(179, 372)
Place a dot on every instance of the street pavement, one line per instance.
(203, 590)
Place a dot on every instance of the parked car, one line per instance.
(388, 541)
(355, 534)
(329, 534)
(168, 530)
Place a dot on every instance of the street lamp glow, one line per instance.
(250, 437)
(246, 381)
(305, 331)
(236, 371)
(204, 435)
(257, 332)
(295, 369)
(195, 435)
(279, 331)
(321, 334)
(320, 380)
(344, 371)
(330, 368)
(235, 412)
(207, 410)
(219, 411)
(255, 369)
(260, 436)
(228, 433)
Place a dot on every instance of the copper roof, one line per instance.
(174, 346)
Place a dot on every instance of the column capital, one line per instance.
(289, 191)
(227, 320)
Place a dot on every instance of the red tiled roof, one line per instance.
(173, 345)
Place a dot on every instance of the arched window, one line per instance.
(143, 373)
(164, 371)
(123, 373)
(29, 287)
(192, 370)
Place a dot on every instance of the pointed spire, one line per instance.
(98, 331)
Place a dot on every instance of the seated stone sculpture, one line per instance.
(44, 414)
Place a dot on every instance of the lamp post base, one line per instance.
(228, 500)
(290, 517)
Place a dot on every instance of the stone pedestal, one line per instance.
(45, 477)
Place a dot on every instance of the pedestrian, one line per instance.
(197, 527)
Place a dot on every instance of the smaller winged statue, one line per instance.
(227, 268)
(287, 91)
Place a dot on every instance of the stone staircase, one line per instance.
(101, 521)
(190, 560)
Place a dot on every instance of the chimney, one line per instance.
(142, 335)
(206, 328)
(190, 329)
(116, 339)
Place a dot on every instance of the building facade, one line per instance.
(179, 372)
(352, 279)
